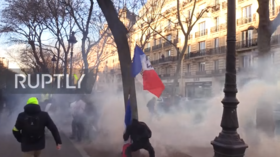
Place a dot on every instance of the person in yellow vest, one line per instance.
(29, 129)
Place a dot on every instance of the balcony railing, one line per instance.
(204, 52)
(167, 43)
(247, 43)
(215, 29)
(201, 33)
(148, 49)
(156, 47)
(244, 20)
(165, 60)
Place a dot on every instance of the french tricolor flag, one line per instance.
(150, 80)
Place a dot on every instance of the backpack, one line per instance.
(33, 129)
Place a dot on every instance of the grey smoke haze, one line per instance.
(177, 129)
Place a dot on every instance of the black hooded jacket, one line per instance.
(138, 132)
(44, 121)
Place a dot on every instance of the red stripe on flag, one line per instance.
(152, 82)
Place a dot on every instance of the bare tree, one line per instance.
(266, 27)
(24, 19)
(60, 24)
(120, 32)
(89, 22)
(180, 24)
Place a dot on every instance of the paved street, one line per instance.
(9, 147)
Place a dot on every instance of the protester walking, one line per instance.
(29, 129)
(151, 107)
(140, 134)
(78, 128)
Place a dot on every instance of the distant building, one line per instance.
(4, 62)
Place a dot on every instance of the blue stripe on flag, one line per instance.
(128, 114)
(136, 65)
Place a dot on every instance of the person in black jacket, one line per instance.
(30, 126)
(139, 133)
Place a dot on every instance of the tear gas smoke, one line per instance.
(178, 129)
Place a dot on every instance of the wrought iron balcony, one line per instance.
(215, 29)
(148, 49)
(165, 60)
(204, 52)
(167, 43)
(245, 20)
(201, 33)
(247, 43)
(157, 47)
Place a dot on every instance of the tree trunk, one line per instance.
(119, 32)
(264, 111)
(264, 32)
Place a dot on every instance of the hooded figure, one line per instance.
(140, 134)
(30, 126)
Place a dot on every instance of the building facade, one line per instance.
(202, 71)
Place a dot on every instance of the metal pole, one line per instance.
(71, 66)
(229, 143)
(53, 75)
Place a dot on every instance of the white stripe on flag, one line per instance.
(139, 78)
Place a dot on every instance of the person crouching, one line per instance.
(140, 134)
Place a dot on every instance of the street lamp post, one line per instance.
(53, 61)
(72, 40)
(229, 143)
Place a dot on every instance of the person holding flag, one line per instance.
(136, 136)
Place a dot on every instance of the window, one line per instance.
(169, 37)
(247, 14)
(159, 41)
(216, 42)
(202, 66)
(202, 47)
(202, 29)
(148, 45)
(216, 65)
(168, 53)
(188, 67)
(155, 57)
(189, 49)
(247, 38)
(155, 42)
(217, 23)
(148, 57)
(246, 61)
